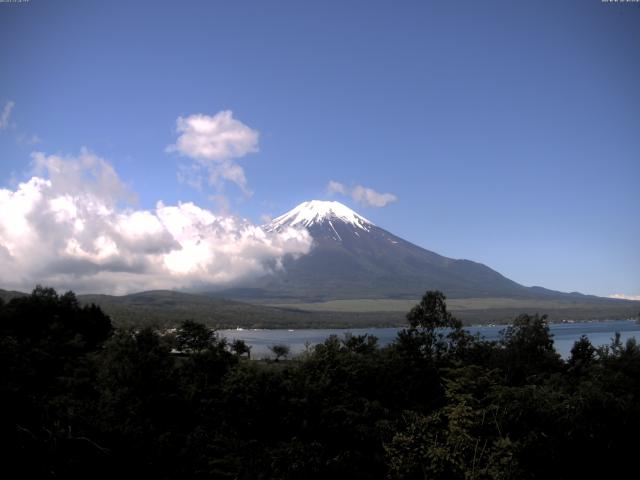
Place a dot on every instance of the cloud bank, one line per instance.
(367, 197)
(214, 142)
(69, 226)
(622, 296)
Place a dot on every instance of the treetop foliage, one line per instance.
(194, 337)
(431, 313)
(82, 400)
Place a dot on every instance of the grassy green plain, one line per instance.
(484, 310)
(164, 308)
(404, 305)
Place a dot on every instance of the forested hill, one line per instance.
(81, 399)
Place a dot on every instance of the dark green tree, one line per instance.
(364, 344)
(431, 313)
(45, 384)
(582, 353)
(280, 350)
(528, 348)
(194, 337)
(240, 348)
(432, 329)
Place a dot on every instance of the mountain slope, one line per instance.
(354, 258)
(168, 308)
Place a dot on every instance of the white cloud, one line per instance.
(370, 198)
(6, 113)
(266, 218)
(336, 187)
(367, 197)
(67, 227)
(622, 296)
(86, 175)
(214, 142)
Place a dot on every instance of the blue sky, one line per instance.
(508, 132)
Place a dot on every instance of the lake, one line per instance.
(564, 335)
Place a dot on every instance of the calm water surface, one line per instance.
(564, 335)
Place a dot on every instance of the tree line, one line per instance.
(82, 399)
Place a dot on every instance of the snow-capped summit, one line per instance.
(316, 212)
(351, 258)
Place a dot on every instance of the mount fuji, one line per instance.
(352, 258)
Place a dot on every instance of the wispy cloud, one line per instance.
(5, 121)
(214, 142)
(72, 226)
(365, 196)
(336, 187)
(24, 139)
(6, 113)
(623, 296)
(371, 198)
(190, 175)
